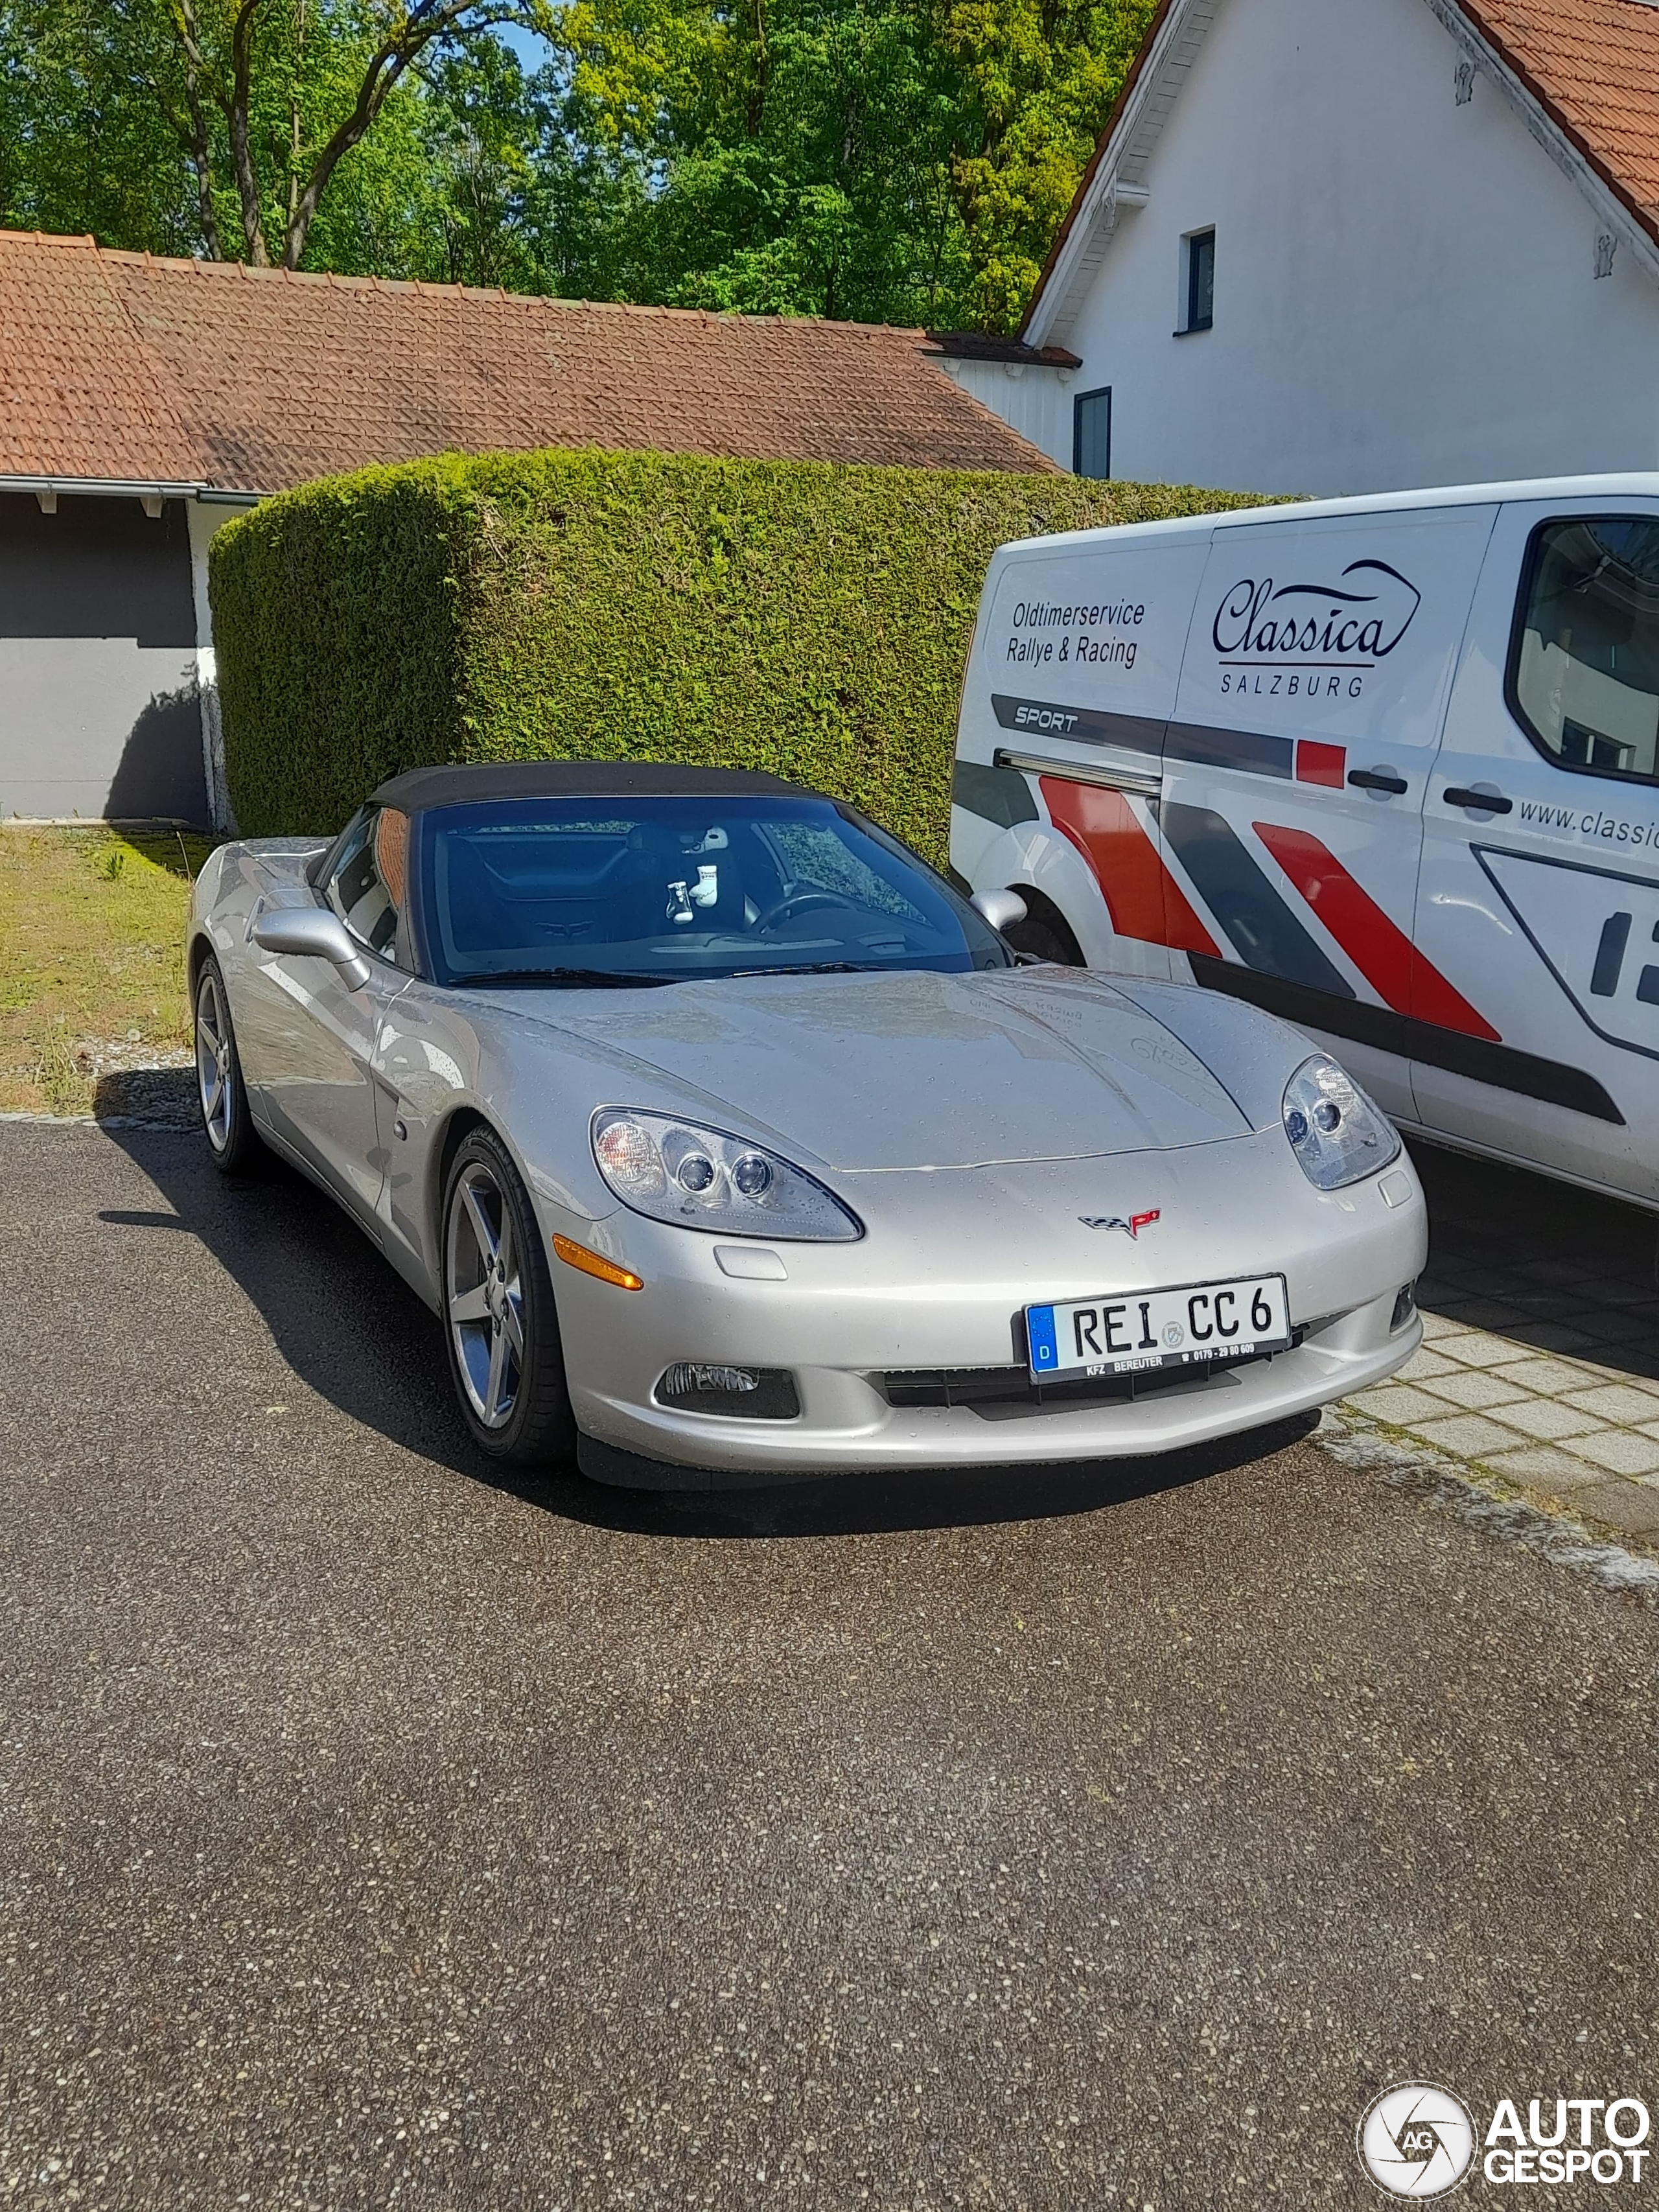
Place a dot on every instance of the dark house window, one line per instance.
(1199, 301)
(1091, 433)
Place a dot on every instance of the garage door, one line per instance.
(99, 714)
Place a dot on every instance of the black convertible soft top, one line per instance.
(418, 790)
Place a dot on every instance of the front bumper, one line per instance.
(940, 1282)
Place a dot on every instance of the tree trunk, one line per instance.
(241, 152)
(302, 17)
(200, 149)
(761, 81)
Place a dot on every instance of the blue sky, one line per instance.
(531, 49)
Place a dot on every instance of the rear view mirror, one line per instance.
(312, 933)
(1002, 910)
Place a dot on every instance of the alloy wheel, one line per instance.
(215, 1062)
(485, 1295)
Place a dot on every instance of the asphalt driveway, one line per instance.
(371, 1834)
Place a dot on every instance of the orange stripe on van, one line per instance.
(1141, 896)
(1399, 974)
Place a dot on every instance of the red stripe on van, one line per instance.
(1141, 896)
(1384, 955)
(1317, 763)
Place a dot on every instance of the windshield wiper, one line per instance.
(598, 979)
(624, 978)
(821, 968)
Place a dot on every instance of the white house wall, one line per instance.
(1405, 286)
(1035, 402)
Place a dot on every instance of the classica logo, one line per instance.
(1352, 624)
(1417, 2140)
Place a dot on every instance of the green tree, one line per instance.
(1038, 79)
(793, 156)
(478, 134)
(225, 127)
(312, 77)
(84, 144)
(518, 191)
(897, 160)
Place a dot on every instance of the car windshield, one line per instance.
(658, 890)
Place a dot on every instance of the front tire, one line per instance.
(1044, 933)
(501, 1329)
(221, 1093)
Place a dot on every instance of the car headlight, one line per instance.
(1334, 1130)
(698, 1178)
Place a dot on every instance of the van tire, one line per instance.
(1045, 933)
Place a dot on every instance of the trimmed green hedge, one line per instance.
(789, 616)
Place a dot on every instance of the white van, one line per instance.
(1384, 766)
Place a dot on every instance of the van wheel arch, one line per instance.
(1045, 930)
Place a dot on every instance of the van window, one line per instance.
(1584, 674)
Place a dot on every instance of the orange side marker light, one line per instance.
(594, 1263)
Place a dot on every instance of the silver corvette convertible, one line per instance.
(730, 1143)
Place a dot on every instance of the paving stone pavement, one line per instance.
(1539, 1362)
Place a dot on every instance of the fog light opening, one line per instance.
(1405, 1306)
(743, 1394)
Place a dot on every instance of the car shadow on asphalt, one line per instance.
(351, 1330)
(927, 1498)
(1550, 1267)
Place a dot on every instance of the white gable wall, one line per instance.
(1035, 402)
(1405, 288)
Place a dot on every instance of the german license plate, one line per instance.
(1187, 1328)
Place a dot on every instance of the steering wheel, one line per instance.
(800, 903)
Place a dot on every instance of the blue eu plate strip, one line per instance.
(1040, 1336)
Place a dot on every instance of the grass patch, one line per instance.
(92, 946)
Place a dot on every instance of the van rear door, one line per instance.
(1540, 893)
(1312, 698)
(1070, 684)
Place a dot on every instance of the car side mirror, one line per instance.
(312, 933)
(1002, 910)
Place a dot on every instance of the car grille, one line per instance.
(1013, 1387)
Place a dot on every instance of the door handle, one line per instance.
(1374, 779)
(1478, 802)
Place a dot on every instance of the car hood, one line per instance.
(918, 1070)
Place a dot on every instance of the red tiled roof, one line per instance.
(1591, 65)
(78, 395)
(116, 366)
